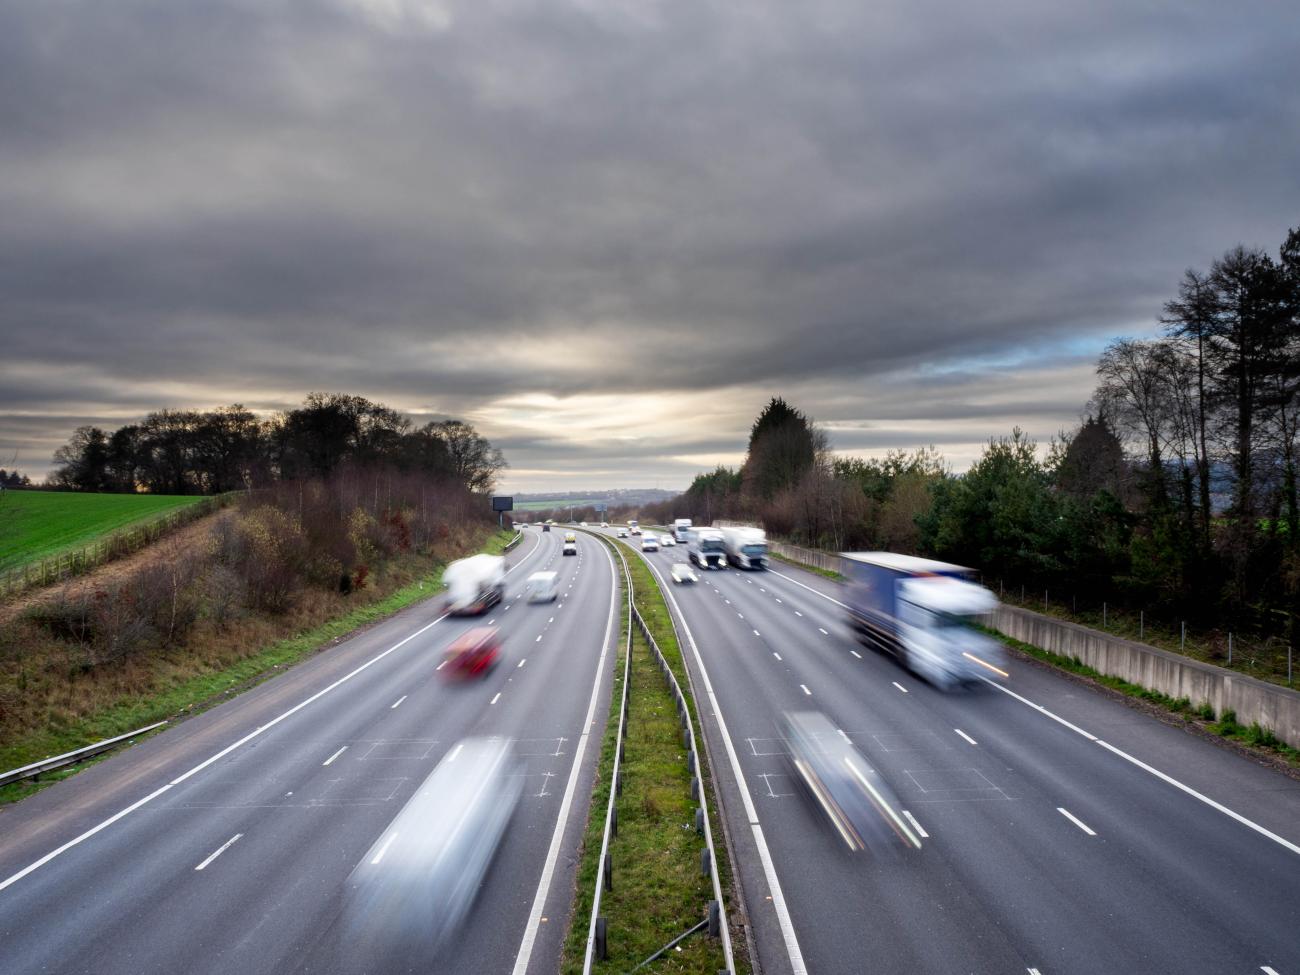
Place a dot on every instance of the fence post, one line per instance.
(1044, 600)
(1288, 665)
(1182, 636)
(1103, 615)
(1229, 647)
(1142, 624)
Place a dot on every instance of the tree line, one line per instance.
(230, 448)
(1178, 491)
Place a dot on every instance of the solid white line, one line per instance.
(900, 687)
(809, 588)
(776, 655)
(383, 849)
(1038, 707)
(769, 868)
(1076, 820)
(330, 760)
(552, 855)
(805, 689)
(496, 698)
(856, 654)
(915, 825)
(823, 631)
(397, 702)
(220, 850)
(966, 736)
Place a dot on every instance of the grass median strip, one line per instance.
(659, 891)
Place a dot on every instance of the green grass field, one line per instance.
(558, 504)
(38, 524)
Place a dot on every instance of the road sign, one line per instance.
(503, 503)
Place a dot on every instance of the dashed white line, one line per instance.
(856, 654)
(550, 621)
(539, 638)
(383, 849)
(397, 702)
(219, 850)
(823, 631)
(1075, 819)
(756, 633)
(915, 825)
(965, 736)
(805, 689)
(490, 622)
(495, 698)
(900, 686)
(776, 655)
(1266, 970)
(797, 613)
(522, 662)
(330, 760)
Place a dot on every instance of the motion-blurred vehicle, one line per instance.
(924, 613)
(681, 572)
(475, 585)
(746, 547)
(546, 526)
(604, 524)
(582, 524)
(473, 653)
(570, 544)
(543, 587)
(633, 527)
(707, 549)
(682, 530)
(622, 533)
(853, 796)
(649, 543)
(666, 541)
(413, 889)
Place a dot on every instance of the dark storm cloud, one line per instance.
(491, 209)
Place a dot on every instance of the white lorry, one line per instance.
(746, 547)
(682, 530)
(707, 549)
(475, 585)
(923, 612)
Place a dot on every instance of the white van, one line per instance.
(543, 587)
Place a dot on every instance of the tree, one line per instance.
(83, 461)
(783, 446)
(473, 459)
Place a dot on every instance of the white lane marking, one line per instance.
(550, 621)
(553, 854)
(761, 589)
(778, 600)
(756, 633)
(792, 949)
(522, 662)
(741, 615)
(1266, 970)
(856, 654)
(397, 702)
(1154, 771)
(495, 698)
(966, 736)
(539, 638)
(776, 655)
(1034, 971)
(330, 760)
(900, 687)
(805, 689)
(455, 752)
(1075, 819)
(383, 849)
(219, 850)
(727, 601)
(797, 613)
(490, 622)
(823, 631)
(441, 665)
(915, 825)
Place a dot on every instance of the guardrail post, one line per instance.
(609, 871)
(613, 821)
(704, 861)
(602, 945)
(715, 919)
(699, 820)
(695, 787)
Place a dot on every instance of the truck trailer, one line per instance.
(682, 530)
(707, 548)
(746, 547)
(475, 585)
(924, 613)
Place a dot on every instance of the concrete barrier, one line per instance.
(1254, 701)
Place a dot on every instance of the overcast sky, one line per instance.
(607, 232)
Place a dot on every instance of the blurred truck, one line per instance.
(682, 530)
(707, 548)
(924, 613)
(746, 547)
(475, 585)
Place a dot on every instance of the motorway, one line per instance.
(1065, 832)
(223, 844)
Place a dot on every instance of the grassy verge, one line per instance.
(659, 891)
(197, 693)
(1224, 725)
(827, 573)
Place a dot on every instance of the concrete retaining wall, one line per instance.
(1255, 701)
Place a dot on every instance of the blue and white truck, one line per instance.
(707, 549)
(924, 613)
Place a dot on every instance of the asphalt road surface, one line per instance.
(223, 844)
(1066, 832)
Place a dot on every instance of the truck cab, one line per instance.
(708, 549)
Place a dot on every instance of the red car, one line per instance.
(473, 653)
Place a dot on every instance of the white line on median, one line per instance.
(900, 686)
(219, 850)
(330, 760)
(1075, 819)
(966, 736)
(915, 825)
(397, 702)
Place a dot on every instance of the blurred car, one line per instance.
(413, 889)
(857, 801)
(682, 572)
(546, 526)
(604, 524)
(543, 587)
(649, 543)
(473, 653)
(622, 533)
(667, 541)
(582, 524)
